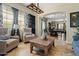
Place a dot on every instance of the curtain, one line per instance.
(1, 14)
(15, 31)
(15, 15)
(15, 21)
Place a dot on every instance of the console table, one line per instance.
(43, 44)
(58, 31)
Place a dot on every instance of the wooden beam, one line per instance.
(35, 8)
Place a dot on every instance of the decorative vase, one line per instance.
(45, 37)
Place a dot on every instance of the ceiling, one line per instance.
(46, 6)
(57, 7)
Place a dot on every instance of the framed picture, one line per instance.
(74, 19)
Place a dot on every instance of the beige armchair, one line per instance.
(27, 35)
(7, 44)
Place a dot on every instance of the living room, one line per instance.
(31, 29)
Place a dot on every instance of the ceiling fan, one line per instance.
(35, 8)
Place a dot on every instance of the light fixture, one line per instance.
(35, 8)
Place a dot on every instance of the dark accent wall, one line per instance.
(31, 22)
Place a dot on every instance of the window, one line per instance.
(61, 26)
(7, 16)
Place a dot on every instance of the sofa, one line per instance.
(28, 35)
(75, 45)
(7, 42)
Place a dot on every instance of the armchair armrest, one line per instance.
(2, 47)
(24, 34)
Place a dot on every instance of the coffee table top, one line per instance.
(40, 41)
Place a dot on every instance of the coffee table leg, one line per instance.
(31, 48)
(46, 51)
(53, 44)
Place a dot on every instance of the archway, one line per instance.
(58, 23)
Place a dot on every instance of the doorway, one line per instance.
(58, 24)
(31, 22)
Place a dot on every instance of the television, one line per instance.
(74, 19)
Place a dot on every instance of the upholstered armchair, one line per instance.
(28, 35)
(7, 42)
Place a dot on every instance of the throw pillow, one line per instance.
(4, 37)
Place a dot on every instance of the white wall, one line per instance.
(68, 8)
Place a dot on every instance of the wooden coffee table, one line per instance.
(43, 44)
